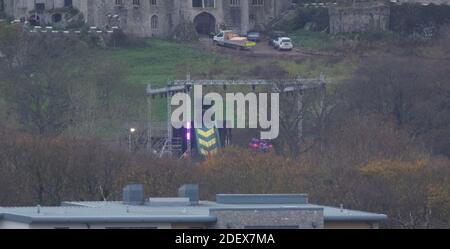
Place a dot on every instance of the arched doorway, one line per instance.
(205, 23)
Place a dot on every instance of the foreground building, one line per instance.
(150, 17)
(230, 211)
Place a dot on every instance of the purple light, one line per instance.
(188, 131)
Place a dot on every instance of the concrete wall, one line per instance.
(17, 225)
(227, 219)
(4, 224)
(350, 225)
(287, 218)
(102, 226)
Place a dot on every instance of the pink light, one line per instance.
(188, 131)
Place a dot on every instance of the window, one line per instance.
(2, 5)
(136, 2)
(153, 2)
(235, 3)
(154, 22)
(203, 3)
(197, 3)
(209, 3)
(119, 2)
(258, 2)
(40, 7)
(68, 3)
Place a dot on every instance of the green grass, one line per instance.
(162, 61)
(310, 40)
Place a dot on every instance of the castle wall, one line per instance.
(137, 19)
(189, 13)
(260, 15)
(359, 17)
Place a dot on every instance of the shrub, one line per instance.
(122, 40)
(412, 18)
(185, 32)
(314, 19)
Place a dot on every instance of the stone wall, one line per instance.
(267, 218)
(137, 20)
(359, 16)
(171, 12)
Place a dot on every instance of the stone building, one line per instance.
(367, 15)
(151, 17)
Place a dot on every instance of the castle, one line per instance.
(150, 17)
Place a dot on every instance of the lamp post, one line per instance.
(189, 139)
(130, 137)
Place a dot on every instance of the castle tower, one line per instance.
(245, 16)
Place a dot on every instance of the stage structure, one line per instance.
(161, 138)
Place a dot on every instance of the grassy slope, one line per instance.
(310, 40)
(162, 61)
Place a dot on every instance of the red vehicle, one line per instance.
(261, 145)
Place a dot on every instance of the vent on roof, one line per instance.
(190, 191)
(133, 194)
(262, 199)
(180, 201)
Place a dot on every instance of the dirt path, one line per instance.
(262, 49)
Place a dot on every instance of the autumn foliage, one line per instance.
(412, 188)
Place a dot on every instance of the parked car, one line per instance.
(283, 43)
(228, 38)
(274, 35)
(254, 36)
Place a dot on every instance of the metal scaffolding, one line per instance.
(296, 86)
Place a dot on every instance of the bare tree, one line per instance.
(54, 81)
(414, 91)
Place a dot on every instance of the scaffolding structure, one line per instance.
(167, 144)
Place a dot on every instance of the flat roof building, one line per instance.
(229, 211)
